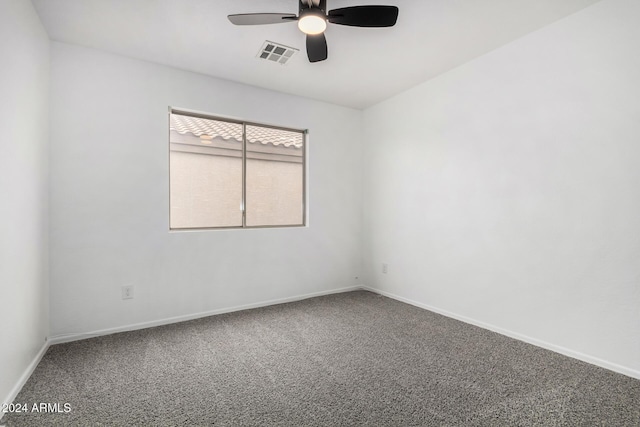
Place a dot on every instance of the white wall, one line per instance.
(508, 190)
(24, 153)
(109, 198)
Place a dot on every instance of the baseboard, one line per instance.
(539, 343)
(25, 375)
(59, 339)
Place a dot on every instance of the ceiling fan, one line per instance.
(312, 20)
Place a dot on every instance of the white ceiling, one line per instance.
(365, 65)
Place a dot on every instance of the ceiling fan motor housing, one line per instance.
(311, 4)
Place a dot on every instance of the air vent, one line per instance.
(276, 52)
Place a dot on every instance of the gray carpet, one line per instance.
(348, 359)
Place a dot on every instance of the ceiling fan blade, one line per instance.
(316, 48)
(364, 16)
(261, 18)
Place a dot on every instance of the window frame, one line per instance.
(244, 123)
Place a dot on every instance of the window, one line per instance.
(226, 173)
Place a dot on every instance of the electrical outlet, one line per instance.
(127, 292)
(385, 267)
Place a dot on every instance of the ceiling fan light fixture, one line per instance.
(312, 24)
